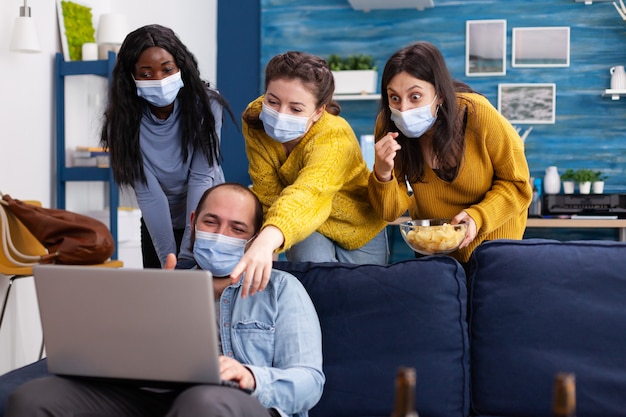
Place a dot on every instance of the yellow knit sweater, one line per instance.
(492, 185)
(320, 186)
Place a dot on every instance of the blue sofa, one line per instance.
(483, 344)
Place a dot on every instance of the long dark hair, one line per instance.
(312, 70)
(424, 61)
(120, 132)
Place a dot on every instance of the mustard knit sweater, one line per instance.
(492, 185)
(320, 186)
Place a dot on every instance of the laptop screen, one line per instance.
(134, 324)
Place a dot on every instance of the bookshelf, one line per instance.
(65, 174)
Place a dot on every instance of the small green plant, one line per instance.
(78, 27)
(351, 62)
(568, 175)
(598, 176)
(584, 175)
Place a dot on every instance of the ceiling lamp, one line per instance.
(25, 38)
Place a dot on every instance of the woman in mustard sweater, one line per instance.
(308, 171)
(462, 158)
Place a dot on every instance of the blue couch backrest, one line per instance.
(375, 319)
(538, 307)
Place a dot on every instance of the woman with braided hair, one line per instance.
(308, 171)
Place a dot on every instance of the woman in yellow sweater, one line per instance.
(308, 171)
(462, 158)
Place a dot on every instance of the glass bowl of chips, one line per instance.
(433, 236)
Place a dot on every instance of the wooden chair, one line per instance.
(19, 250)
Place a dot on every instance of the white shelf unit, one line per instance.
(614, 94)
(587, 2)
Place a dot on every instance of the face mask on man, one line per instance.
(216, 253)
(415, 122)
(160, 93)
(282, 127)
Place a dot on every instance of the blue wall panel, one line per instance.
(590, 130)
(238, 66)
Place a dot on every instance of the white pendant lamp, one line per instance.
(25, 38)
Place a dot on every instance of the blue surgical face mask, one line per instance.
(160, 93)
(413, 123)
(282, 127)
(217, 253)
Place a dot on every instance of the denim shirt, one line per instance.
(276, 334)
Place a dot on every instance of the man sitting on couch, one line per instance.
(281, 365)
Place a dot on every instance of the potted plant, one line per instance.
(354, 74)
(584, 177)
(569, 181)
(598, 182)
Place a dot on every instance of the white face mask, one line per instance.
(413, 123)
(282, 127)
(218, 253)
(160, 93)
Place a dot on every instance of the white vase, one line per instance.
(598, 187)
(584, 187)
(618, 78)
(568, 187)
(552, 181)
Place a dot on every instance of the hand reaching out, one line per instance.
(256, 263)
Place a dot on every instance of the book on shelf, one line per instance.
(89, 151)
(100, 161)
(90, 156)
(85, 162)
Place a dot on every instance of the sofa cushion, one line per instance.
(538, 307)
(375, 319)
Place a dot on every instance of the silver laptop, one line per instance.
(129, 324)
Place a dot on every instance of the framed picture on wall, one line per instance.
(541, 47)
(485, 47)
(75, 28)
(528, 103)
